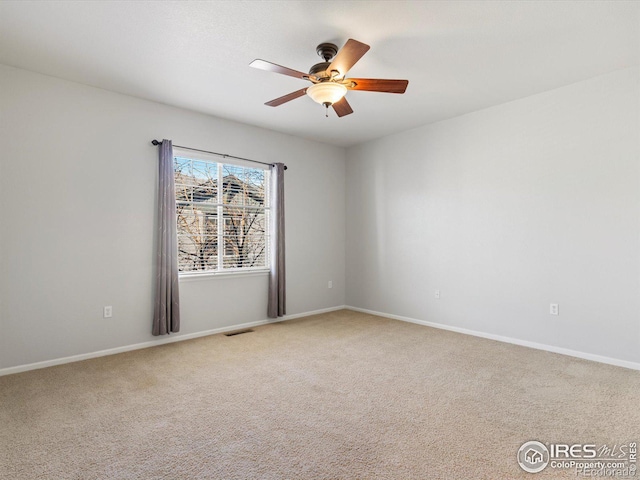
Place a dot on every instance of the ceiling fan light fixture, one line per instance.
(330, 84)
(326, 93)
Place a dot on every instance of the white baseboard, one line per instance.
(312, 312)
(188, 336)
(159, 341)
(524, 343)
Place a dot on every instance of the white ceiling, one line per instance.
(459, 56)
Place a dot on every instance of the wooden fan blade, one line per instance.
(348, 56)
(287, 98)
(379, 85)
(342, 107)
(272, 67)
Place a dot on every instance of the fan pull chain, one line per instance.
(326, 111)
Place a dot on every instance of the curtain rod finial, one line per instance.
(155, 142)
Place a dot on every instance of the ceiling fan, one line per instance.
(330, 84)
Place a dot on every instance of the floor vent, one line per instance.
(238, 332)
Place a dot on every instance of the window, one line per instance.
(222, 215)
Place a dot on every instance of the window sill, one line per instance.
(190, 277)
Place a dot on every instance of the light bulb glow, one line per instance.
(326, 92)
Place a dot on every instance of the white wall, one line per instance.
(77, 198)
(507, 210)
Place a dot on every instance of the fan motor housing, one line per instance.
(319, 69)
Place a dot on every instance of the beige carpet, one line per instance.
(336, 396)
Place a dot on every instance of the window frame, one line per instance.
(221, 222)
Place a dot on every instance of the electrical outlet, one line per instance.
(437, 294)
(108, 312)
(553, 309)
(330, 284)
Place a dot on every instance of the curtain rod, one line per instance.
(223, 155)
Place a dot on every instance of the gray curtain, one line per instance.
(277, 295)
(166, 317)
